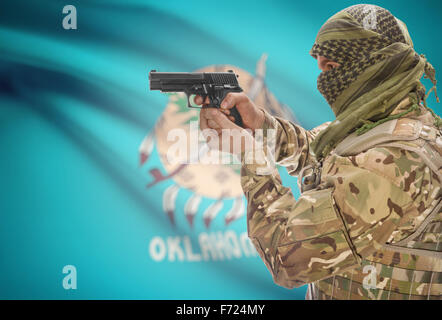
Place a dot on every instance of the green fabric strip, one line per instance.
(378, 69)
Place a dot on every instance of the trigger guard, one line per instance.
(188, 95)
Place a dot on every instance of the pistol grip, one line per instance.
(235, 114)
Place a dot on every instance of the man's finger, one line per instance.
(198, 100)
(221, 119)
(203, 119)
(213, 124)
(232, 99)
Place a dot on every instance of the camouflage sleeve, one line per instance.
(330, 229)
(291, 143)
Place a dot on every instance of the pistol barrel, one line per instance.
(178, 81)
(174, 81)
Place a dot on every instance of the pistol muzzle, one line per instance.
(155, 84)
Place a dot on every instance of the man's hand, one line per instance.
(252, 116)
(224, 135)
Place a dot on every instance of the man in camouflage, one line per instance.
(368, 222)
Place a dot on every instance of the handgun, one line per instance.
(215, 85)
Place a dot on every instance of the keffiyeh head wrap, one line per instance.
(378, 69)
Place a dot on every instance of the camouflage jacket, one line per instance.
(333, 237)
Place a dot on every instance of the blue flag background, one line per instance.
(74, 108)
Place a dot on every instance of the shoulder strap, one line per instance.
(404, 133)
(393, 130)
(411, 135)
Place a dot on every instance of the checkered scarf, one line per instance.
(378, 68)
